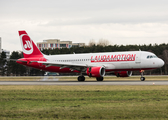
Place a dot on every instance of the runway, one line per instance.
(70, 83)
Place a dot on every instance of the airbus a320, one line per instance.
(92, 64)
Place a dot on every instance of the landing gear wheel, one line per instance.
(81, 78)
(142, 78)
(99, 78)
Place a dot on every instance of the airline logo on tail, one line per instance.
(27, 45)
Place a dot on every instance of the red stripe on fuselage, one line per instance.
(131, 69)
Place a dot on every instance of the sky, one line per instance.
(121, 22)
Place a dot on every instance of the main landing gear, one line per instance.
(81, 78)
(142, 78)
(99, 78)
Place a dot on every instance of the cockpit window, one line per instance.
(151, 56)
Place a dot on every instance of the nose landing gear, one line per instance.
(142, 78)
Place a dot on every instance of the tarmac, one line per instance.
(71, 83)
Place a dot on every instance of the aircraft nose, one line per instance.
(161, 62)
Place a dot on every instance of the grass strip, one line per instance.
(84, 102)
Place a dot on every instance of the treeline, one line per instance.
(12, 68)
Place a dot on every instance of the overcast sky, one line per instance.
(118, 21)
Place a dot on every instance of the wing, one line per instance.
(76, 66)
(73, 66)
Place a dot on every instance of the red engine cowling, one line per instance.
(123, 73)
(95, 71)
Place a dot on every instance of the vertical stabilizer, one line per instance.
(28, 46)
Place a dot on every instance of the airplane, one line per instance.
(95, 65)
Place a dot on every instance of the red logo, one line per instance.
(113, 58)
(27, 42)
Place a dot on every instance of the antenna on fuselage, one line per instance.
(139, 49)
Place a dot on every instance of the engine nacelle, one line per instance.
(123, 73)
(95, 71)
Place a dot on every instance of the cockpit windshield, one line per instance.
(151, 56)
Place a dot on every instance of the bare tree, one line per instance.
(92, 42)
(103, 42)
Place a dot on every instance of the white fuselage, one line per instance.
(133, 60)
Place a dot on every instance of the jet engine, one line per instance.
(123, 73)
(95, 71)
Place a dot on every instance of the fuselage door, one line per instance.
(138, 60)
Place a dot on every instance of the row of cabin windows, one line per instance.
(73, 60)
(90, 59)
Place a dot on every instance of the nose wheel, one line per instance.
(142, 78)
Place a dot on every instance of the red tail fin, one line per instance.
(28, 46)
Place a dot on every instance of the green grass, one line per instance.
(84, 102)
